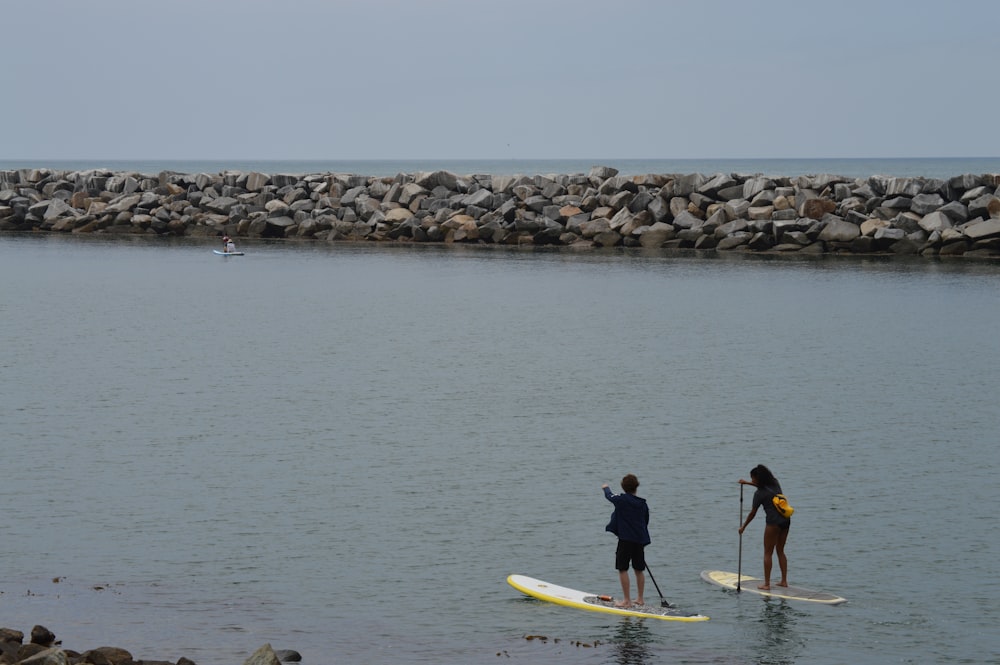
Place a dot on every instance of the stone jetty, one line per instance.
(44, 649)
(813, 214)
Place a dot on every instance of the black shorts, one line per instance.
(629, 552)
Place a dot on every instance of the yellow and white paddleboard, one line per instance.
(749, 584)
(583, 600)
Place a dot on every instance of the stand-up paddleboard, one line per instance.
(583, 600)
(221, 253)
(749, 584)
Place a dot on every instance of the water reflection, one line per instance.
(631, 642)
(774, 638)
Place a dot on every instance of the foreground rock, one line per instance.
(959, 216)
(44, 649)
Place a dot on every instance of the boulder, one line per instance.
(603, 172)
(221, 205)
(734, 240)
(718, 182)
(729, 228)
(123, 203)
(870, 226)
(816, 208)
(263, 656)
(57, 208)
(989, 228)
(656, 235)
(935, 221)
(924, 204)
(256, 181)
(49, 656)
(755, 185)
(686, 220)
(430, 180)
(839, 231)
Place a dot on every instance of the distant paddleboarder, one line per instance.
(775, 525)
(629, 521)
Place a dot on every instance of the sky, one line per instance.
(500, 79)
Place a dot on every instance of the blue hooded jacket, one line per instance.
(630, 519)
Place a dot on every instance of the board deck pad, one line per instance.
(749, 584)
(584, 600)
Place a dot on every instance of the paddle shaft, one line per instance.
(739, 556)
(663, 601)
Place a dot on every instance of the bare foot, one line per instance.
(623, 603)
(639, 602)
(783, 583)
(764, 587)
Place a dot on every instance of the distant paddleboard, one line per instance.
(749, 585)
(221, 253)
(582, 600)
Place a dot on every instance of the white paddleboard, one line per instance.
(221, 253)
(583, 600)
(749, 584)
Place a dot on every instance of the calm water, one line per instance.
(344, 450)
(930, 167)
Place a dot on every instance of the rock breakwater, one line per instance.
(720, 212)
(44, 649)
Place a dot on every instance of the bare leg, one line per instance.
(770, 540)
(640, 587)
(782, 560)
(626, 594)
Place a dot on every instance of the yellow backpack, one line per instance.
(781, 504)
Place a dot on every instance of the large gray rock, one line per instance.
(656, 235)
(982, 230)
(839, 231)
(57, 208)
(781, 227)
(123, 203)
(603, 172)
(684, 185)
(51, 656)
(686, 220)
(889, 234)
(730, 193)
(982, 206)
(955, 210)
(903, 187)
(935, 221)
(717, 183)
(257, 181)
(221, 205)
(756, 185)
(430, 180)
(729, 228)
(734, 240)
(924, 204)
(263, 656)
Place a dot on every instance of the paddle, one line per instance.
(663, 601)
(739, 557)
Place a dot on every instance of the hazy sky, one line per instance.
(519, 79)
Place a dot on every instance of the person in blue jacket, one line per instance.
(630, 522)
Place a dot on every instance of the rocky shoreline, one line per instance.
(813, 214)
(44, 649)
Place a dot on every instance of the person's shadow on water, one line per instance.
(631, 642)
(774, 637)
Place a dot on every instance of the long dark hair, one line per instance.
(764, 478)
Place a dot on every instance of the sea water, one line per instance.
(927, 167)
(345, 449)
